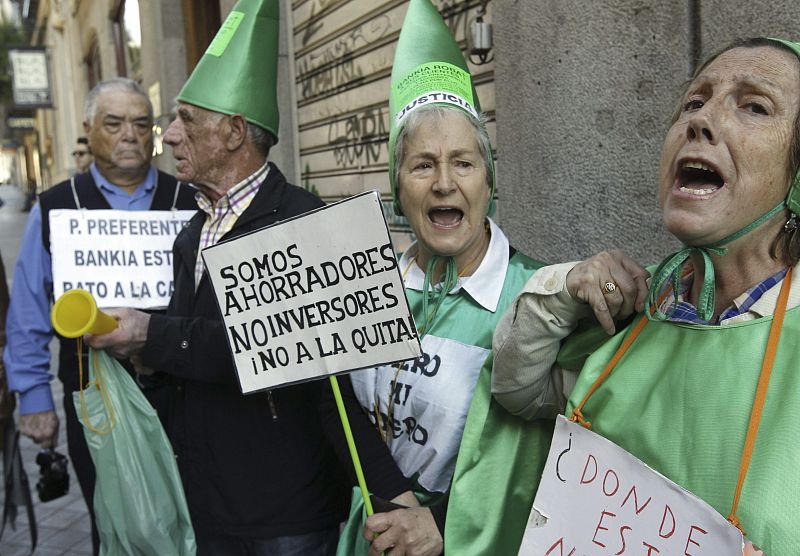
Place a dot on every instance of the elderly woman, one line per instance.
(459, 276)
(699, 386)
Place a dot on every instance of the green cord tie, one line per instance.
(672, 269)
(434, 295)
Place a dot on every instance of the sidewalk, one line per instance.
(63, 524)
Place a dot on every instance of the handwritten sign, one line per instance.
(123, 258)
(597, 499)
(312, 296)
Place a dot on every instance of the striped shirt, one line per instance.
(221, 217)
(686, 312)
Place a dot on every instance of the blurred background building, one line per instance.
(578, 95)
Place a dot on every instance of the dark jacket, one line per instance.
(255, 466)
(90, 197)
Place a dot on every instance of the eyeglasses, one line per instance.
(79, 153)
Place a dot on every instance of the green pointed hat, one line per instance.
(428, 69)
(238, 74)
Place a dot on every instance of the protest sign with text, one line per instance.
(123, 258)
(312, 296)
(597, 499)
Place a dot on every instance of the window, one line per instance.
(93, 72)
(127, 32)
(201, 20)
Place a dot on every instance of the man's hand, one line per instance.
(128, 338)
(411, 531)
(42, 427)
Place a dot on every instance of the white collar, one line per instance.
(484, 285)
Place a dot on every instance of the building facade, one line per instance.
(578, 96)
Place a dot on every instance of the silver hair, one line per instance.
(114, 84)
(438, 112)
(261, 138)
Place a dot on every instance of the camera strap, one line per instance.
(17, 488)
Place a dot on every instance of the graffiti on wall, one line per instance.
(344, 52)
(358, 139)
(334, 67)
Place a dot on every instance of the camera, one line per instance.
(53, 475)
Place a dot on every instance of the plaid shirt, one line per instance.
(221, 217)
(686, 312)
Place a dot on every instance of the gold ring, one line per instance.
(609, 287)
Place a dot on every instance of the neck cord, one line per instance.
(672, 268)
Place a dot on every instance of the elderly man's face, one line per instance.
(196, 144)
(443, 190)
(121, 135)
(724, 161)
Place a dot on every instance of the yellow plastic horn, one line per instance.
(75, 313)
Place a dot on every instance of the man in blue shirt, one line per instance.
(118, 124)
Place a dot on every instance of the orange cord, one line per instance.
(761, 390)
(577, 413)
(761, 393)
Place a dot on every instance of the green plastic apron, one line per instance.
(680, 400)
(498, 469)
(462, 320)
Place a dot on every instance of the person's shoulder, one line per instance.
(58, 191)
(304, 196)
(292, 194)
(166, 193)
(521, 260)
(60, 187)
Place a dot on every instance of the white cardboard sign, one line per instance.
(597, 499)
(123, 258)
(312, 296)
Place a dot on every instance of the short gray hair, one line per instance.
(261, 138)
(438, 112)
(114, 84)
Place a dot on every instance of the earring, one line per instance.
(791, 224)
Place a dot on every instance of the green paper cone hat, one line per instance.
(793, 197)
(428, 69)
(238, 72)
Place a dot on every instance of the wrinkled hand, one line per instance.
(128, 338)
(586, 280)
(42, 427)
(407, 499)
(411, 531)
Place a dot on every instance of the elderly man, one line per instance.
(258, 474)
(118, 123)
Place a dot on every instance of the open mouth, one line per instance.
(698, 178)
(446, 217)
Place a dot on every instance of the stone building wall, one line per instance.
(585, 91)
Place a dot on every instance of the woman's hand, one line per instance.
(406, 499)
(612, 283)
(411, 531)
